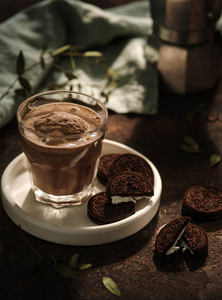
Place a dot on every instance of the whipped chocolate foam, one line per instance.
(60, 123)
(63, 146)
(58, 120)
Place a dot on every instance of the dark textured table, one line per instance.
(131, 262)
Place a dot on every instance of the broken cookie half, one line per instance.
(180, 234)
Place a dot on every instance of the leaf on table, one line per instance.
(66, 272)
(201, 110)
(189, 145)
(111, 286)
(73, 261)
(214, 159)
(85, 266)
(198, 109)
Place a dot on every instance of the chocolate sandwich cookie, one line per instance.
(104, 165)
(195, 240)
(129, 162)
(128, 186)
(169, 235)
(181, 234)
(101, 211)
(203, 203)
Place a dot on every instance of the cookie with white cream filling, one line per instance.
(194, 239)
(181, 234)
(128, 187)
(101, 211)
(169, 235)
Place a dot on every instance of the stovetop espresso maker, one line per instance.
(184, 37)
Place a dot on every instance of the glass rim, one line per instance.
(71, 136)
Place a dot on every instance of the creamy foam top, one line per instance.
(60, 119)
(60, 123)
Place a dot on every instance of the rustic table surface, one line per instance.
(130, 262)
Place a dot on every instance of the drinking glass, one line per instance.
(61, 134)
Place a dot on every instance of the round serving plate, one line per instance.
(71, 225)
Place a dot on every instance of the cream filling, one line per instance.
(119, 199)
(175, 248)
(185, 246)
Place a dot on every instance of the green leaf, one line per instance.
(214, 159)
(111, 286)
(188, 148)
(85, 266)
(189, 145)
(73, 261)
(198, 109)
(25, 84)
(201, 110)
(189, 140)
(60, 50)
(20, 64)
(73, 63)
(92, 54)
(66, 272)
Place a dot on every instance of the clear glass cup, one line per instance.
(61, 134)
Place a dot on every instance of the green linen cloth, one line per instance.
(120, 33)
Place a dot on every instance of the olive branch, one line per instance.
(52, 58)
(71, 270)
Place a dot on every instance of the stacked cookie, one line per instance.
(201, 203)
(128, 179)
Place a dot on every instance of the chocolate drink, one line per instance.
(63, 147)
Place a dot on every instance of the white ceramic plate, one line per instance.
(71, 225)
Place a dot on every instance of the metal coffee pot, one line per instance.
(183, 35)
